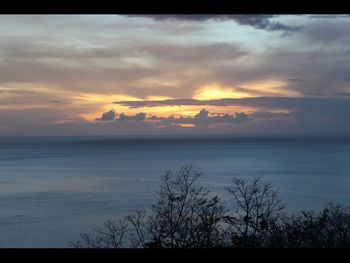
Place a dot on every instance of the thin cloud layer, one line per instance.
(263, 102)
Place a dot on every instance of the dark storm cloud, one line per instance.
(256, 21)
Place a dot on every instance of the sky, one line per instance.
(174, 74)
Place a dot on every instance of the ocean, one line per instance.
(54, 188)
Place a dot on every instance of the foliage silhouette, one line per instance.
(257, 211)
(189, 216)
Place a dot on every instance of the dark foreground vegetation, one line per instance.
(189, 216)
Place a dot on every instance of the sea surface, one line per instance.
(54, 188)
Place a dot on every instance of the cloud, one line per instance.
(17, 71)
(138, 64)
(203, 118)
(327, 16)
(273, 102)
(265, 115)
(256, 21)
(345, 94)
(327, 29)
(159, 103)
(310, 108)
(295, 80)
(107, 116)
(138, 117)
(316, 94)
(320, 69)
(86, 62)
(191, 54)
(139, 69)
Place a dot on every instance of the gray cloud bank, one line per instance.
(202, 118)
(273, 114)
(256, 21)
(297, 113)
(306, 115)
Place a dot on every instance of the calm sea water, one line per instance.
(53, 188)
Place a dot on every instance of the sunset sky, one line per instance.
(174, 74)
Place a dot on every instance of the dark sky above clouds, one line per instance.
(161, 74)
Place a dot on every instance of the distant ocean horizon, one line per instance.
(54, 187)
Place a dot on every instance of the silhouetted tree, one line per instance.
(257, 211)
(185, 215)
(328, 229)
(110, 235)
(189, 216)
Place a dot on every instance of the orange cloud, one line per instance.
(186, 125)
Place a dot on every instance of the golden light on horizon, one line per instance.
(215, 91)
(186, 125)
(100, 103)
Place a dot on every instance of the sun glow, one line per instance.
(186, 125)
(217, 92)
(100, 103)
